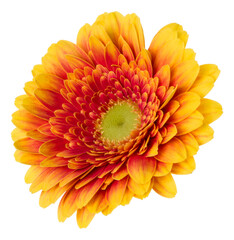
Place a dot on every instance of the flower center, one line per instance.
(119, 122)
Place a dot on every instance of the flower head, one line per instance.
(105, 119)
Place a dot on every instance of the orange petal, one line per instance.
(111, 55)
(98, 203)
(184, 74)
(28, 158)
(32, 105)
(36, 135)
(172, 152)
(50, 82)
(30, 87)
(54, 162)
(192, 122)
(83, 37)
(141, 169)
(171, 131)
(51, 64)
(84, 217)
(52, 147)
(138, 189)
(50, 99)
(33, 172)
(26, 121)
(190, 144)
(97, 48)
(185, 167)
(210, 109)
(19, 101)
(88, 191)
(52, 195)
(28, 145)
(38, 69)
(165, 186)
(164, 76)
(115, 193)
(189, 102)
(127, 197)
(162, 169)
(203, 134)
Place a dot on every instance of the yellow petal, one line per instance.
(203, 134)
(17, 134)
(189, 102)
(192, 122)
(83, 37)
(205, 80)
(184, 74)
(84, 217)
(190, 144)
(28, 158)
(138, 189)
(19, 100)
(165, 186)
(98, 203)
(162, 169)
(141, 169)
(116, 191)
(185, 167)
(210, 109)
(127, 197)
(172, 152)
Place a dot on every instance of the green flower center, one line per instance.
(120, 121)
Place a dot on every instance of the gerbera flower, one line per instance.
(105, 119)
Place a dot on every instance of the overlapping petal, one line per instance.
(108, 80)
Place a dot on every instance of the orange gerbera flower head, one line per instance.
(105, 119)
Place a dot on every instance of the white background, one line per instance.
(204, 205)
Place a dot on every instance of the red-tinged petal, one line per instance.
(91, 176)
(98, 203)
(185, 167)
(162, 169)
(210, 109)
(52, 147)
(192, 122)
(152, 148)
(50, 99)
(54, 162)
(83, 37)
(51, 64)
(32, 105)
(33, 172)
(184, 74)
(52, 195)
(88, 191)
(189, 102)
(190, 144)
(28, 145)
(171, 132)
(115, 192)
(203, 134)
(28, 158)
(36, 135)
(74, 175)
(126, 50)
(172, 152)
(26, 121)
(68, 204)
(164, 76)
(98, 49)
(141, 169)
(136, 188)
(144, 55)
(171, 107)
(121, 173)
(72, 152)
(45, 129)
(111, 55)
(49, 82)
(52, 179)
(38, 183)
(84, 217)
(165, 186)
(78, 63)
